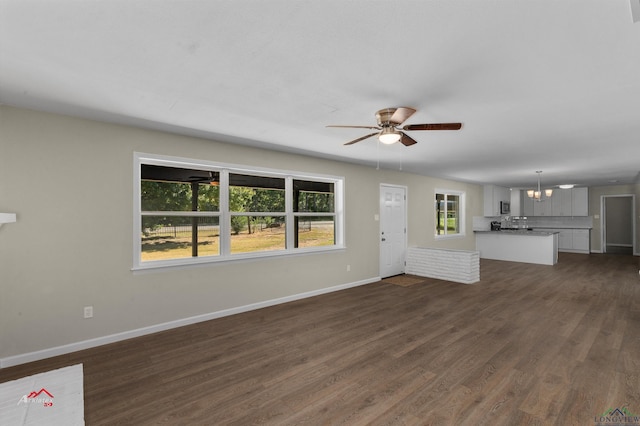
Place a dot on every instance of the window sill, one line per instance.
(450, 237)
(160, 265)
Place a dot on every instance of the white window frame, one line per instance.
(461, 213)
(224, 214)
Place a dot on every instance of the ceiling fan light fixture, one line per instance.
(214, 179)
(389, 136)
(390, 130)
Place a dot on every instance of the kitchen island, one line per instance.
(518, 246)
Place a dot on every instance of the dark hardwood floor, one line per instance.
(527, 345)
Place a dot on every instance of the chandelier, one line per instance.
(537, 195)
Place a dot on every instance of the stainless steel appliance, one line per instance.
(505, 207)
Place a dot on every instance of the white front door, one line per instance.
(393, 230)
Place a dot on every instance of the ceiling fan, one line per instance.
(389, 130)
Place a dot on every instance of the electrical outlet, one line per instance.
(88, 311)
(348, 268)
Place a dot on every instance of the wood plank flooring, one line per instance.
(528, 344)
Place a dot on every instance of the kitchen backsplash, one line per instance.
(483, 223)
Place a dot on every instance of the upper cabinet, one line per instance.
(527, 204)
(544, 207)
(563, 202)
(493, 195)
(516, 203)
(580, 202)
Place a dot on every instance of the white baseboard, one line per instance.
(112, 338)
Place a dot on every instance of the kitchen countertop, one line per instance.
(563, 227)
(524, 233)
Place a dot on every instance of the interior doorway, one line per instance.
(393, 230)
(618, 226)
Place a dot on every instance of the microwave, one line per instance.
(505, 207)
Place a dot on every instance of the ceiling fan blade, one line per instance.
(406, 140)
(436, 126)
(360, 139)
(400, 115)
(357, 127)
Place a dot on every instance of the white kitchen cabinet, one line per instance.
(570, 202)
(571, 240)
(581, 241)
(561, 202)
(493, 195)
(580, 202)
(530, 207)
(565, 240)
(527, 204)
(556, 208)
(528, 247)
(516, 202)
(542, 208)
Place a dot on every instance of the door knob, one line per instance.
(384, 239)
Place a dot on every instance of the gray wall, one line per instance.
(70, 182)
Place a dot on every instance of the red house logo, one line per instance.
(34, 394)
(42, 396)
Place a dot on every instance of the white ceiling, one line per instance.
(538, 85)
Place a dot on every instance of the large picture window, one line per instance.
(188, 211)
(449, 213)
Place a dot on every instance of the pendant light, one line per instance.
(537, 195)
